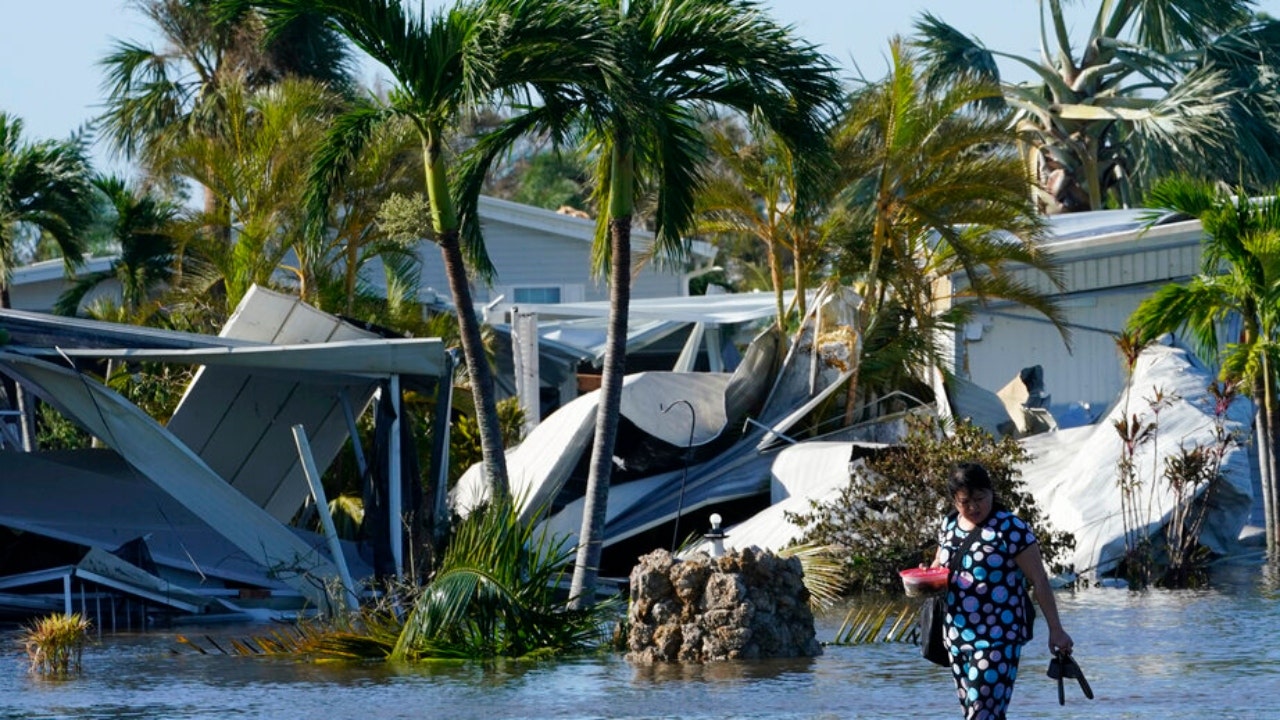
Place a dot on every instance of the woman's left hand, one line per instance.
(1060, 641)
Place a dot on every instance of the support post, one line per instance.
(395, 501)
(326, 520)
(440, 431)
(349, 415)
(524, 355)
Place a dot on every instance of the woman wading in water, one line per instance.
(987, 621)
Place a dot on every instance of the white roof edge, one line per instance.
(719, 309)
(410, 356)
(550, 221)
(1152, 237)
(55, 269)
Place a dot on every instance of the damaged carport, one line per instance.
(214, 489)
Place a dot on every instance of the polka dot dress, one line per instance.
(985, 627)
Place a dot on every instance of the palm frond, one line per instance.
(880, 620)
(824, 576)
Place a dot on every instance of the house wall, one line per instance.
(38, 296)
(36, 287)
(1106, 278)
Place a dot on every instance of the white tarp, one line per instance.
(1073, 474)
(800, 474)
(539, 465)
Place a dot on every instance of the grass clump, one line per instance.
(55, 644)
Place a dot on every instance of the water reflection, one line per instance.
(779, 669)
(1155, 654)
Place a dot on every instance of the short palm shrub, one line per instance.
(497, 593)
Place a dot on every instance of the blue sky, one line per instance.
(49, 49)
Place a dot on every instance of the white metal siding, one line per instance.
(1102, 291)
(532, 258)
(1157, 265)
(1015, 338)
(42, 295)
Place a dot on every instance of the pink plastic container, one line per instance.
(924, 581)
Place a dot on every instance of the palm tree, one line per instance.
(141, 229)
(443, 67)
(250, 164)
(1157, 87)
(158, 97)
(1239, 278)
(390, 165)
(495, 595)
(931, 188)
(44, 189)
(640, 115)
(751, 192)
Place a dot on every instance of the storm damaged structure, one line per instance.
(195, 516)
(687, 441)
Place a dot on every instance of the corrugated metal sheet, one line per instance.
(156, 454)
(238, 421)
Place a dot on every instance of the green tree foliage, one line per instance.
(140, 229)
(929, 188)
(665, 63)
(496, 595)
(157, 95)
(887, 518)
(549, 178)
(1156, 87)
(44, 194)
(751, 192)
(464, 436)
(44, 189)
(444, 67)
(250, 163)
(336, 261)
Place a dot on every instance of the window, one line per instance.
(536, 295)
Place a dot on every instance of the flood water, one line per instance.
(1157, 654)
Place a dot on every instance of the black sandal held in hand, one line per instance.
(1064, 666)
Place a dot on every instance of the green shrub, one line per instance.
(887, 517)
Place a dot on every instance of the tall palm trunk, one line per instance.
(1265, 419)
(495, 462)
(445, 220)
(586, 567)
(875, 293)
(802, 285)
(594, 511)
(775, 275)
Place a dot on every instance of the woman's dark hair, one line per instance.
(969, 476)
